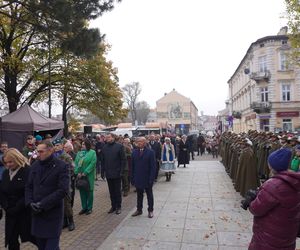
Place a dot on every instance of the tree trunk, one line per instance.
(11, 93)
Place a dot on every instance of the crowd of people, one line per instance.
(264, 168)
(245, 156)
(38, 183)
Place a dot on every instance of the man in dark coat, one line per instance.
(143, 173)
(200, 144)
(98, 148)
(191, 145)
(47, 185)
(156, 147)
(183, 156)
(113, 161)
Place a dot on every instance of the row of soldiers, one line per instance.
(245, 155)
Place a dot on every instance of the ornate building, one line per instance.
(264, 91)
(177, 111)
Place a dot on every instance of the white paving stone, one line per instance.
(199, 209)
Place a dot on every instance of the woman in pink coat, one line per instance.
(276, 208)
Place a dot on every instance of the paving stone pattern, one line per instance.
(198, 209)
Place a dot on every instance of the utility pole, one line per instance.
(49, 72)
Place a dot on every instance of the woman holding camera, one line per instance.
(276, 208)
(85, 165)
(168, 158)
(17, 216)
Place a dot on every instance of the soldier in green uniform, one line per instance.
(247, 177)
(68, 210)
(29, 146)
(235, 160)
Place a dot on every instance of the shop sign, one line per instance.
(264, 117)
(288, 114)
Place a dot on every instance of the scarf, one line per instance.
(170, 153)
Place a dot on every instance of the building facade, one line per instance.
(207, 123)
(264, 91)
(177, 111)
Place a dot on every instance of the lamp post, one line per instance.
(49, 72)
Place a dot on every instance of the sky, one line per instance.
(192, 46)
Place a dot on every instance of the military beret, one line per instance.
(38, 138)
(57, 141)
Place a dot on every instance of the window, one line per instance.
(262, 63)
(286, 92)
(287, 125)
(264, 124)
(264, 94)
(283, 62)
(186, 115)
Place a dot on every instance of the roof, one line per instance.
(258, 41)
(27, 119)
(174, 92)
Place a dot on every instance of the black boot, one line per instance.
(170, 174)
(167, 177)
(66, 222)
(71, 225)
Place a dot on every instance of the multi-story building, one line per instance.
(207, 123)
(264, 91)
(178, 111)
(223, 122)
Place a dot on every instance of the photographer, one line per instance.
(276, 207)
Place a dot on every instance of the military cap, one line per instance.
(57, 141)
(294, 138)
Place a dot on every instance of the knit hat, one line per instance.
(279, 160)
(38, 138)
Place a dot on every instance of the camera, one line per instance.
(249, 197)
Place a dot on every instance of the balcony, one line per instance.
(261, 107)
(260, 76)
(237, 114)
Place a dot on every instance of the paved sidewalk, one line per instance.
(198, 209)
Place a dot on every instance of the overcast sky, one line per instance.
(193, 46)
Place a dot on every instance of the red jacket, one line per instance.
(276, 211)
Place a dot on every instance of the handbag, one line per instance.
(82, 183)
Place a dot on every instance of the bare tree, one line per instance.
(142, 112)
(131, 92)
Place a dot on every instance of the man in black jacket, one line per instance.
(47, 185)
(98, 148)
(156, 147)
(113, 162)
